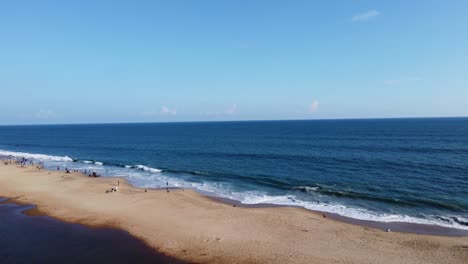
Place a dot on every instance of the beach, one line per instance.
(191, 227)
(55, 241)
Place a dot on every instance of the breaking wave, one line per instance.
(149, 177)
(41, 157)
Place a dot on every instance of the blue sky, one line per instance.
(151, 61)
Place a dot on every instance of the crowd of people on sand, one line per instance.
(89, 173)
(23, 162)
(7, 161)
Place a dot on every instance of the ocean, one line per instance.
(389, 170)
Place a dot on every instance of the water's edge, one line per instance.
(144, 176)
(402, 227)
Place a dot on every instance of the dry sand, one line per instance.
(192, 227)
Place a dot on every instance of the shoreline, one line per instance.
(416, 225)
(195, 228)
(402, 227)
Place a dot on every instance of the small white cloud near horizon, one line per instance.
(44, 114)
(232, 109)
(167, 111)
(314, 106)
(164, 111)
(366, 16)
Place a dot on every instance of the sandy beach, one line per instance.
(56, 241)
(191, 227)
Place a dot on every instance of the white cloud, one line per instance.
(366, 16)
(167, 111)
(232, 109)
(44, 114)
(164, 111)
(219, 113)
(314, 106)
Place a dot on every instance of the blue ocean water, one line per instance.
(408, 170)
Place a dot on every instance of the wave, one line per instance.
(146, 168)
(126, 166)
(191, 172)
(154, 178)
(306, 189)
(453, 221)
(407, 202)
(39, 157)
(137, 167)
(99, 163)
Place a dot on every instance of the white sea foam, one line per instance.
(306, 188)
(98, 163)
(39, 157)
(225, 190)
(146, 168)
(148, 177)
(340, 209)
(87, 161)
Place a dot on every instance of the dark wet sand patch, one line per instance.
(41, 239)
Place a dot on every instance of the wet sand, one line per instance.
(413, 228)
(41, 239)
(191, 227)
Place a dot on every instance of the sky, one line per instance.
(164, 61)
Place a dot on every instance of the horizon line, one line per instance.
(233, 121)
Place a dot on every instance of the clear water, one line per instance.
(408, 170)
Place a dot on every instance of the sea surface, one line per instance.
(389, 170)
